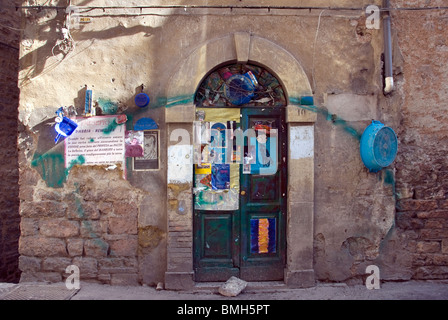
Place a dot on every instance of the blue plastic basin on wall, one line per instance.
(378, 146)
(239, 89)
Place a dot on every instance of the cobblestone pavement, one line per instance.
(409, 290)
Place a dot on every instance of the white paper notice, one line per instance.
(301, 142)
(97, 140)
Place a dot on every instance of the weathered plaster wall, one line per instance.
(354, 210)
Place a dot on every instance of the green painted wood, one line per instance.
(222, 239)
(265, 198)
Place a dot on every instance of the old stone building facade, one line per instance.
(125, 216)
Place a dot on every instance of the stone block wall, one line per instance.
(9, 103)
(90, 223)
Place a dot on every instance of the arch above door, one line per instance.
(242, 48)
(180, 114)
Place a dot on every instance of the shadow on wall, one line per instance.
(48, 25)
(9, 102)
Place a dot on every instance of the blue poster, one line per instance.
(220, 176)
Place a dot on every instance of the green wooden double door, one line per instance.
(247, 240)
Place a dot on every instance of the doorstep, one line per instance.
(256, 286)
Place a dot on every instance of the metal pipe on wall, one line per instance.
(388, 68)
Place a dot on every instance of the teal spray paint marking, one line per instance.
(87, 224)
(387, 176)
(201, 201)
(110, 127)
(114, 124)
(186, 99)
(335, 119)
(80, 160)
(107, 106)
(52, 168)
(52, 164)
(164, 102)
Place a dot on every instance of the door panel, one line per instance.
(215, 254)
(263, 188)
(217, 236)
(263, 204)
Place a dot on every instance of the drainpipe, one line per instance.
(389, 80)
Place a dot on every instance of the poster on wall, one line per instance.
(134, 144)
(220, 176)
(98, 140)
(150, 158)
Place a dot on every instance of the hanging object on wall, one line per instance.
(64, 126)
(378, 146)
(141, 99)
(89, 109)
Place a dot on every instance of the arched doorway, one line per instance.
(180, 116)
(240, 176)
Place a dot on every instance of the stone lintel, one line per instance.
(180, 114)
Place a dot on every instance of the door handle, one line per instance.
(243, 193)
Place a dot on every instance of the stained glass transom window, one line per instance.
(240, 85)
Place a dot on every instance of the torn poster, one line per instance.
(205, 198)
(134, 143)
(203, 168)
(220, 176)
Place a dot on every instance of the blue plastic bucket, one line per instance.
(378, 146)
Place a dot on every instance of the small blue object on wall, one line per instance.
(378, 146)
(142, 100)
(145, 124)
(64, 126)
